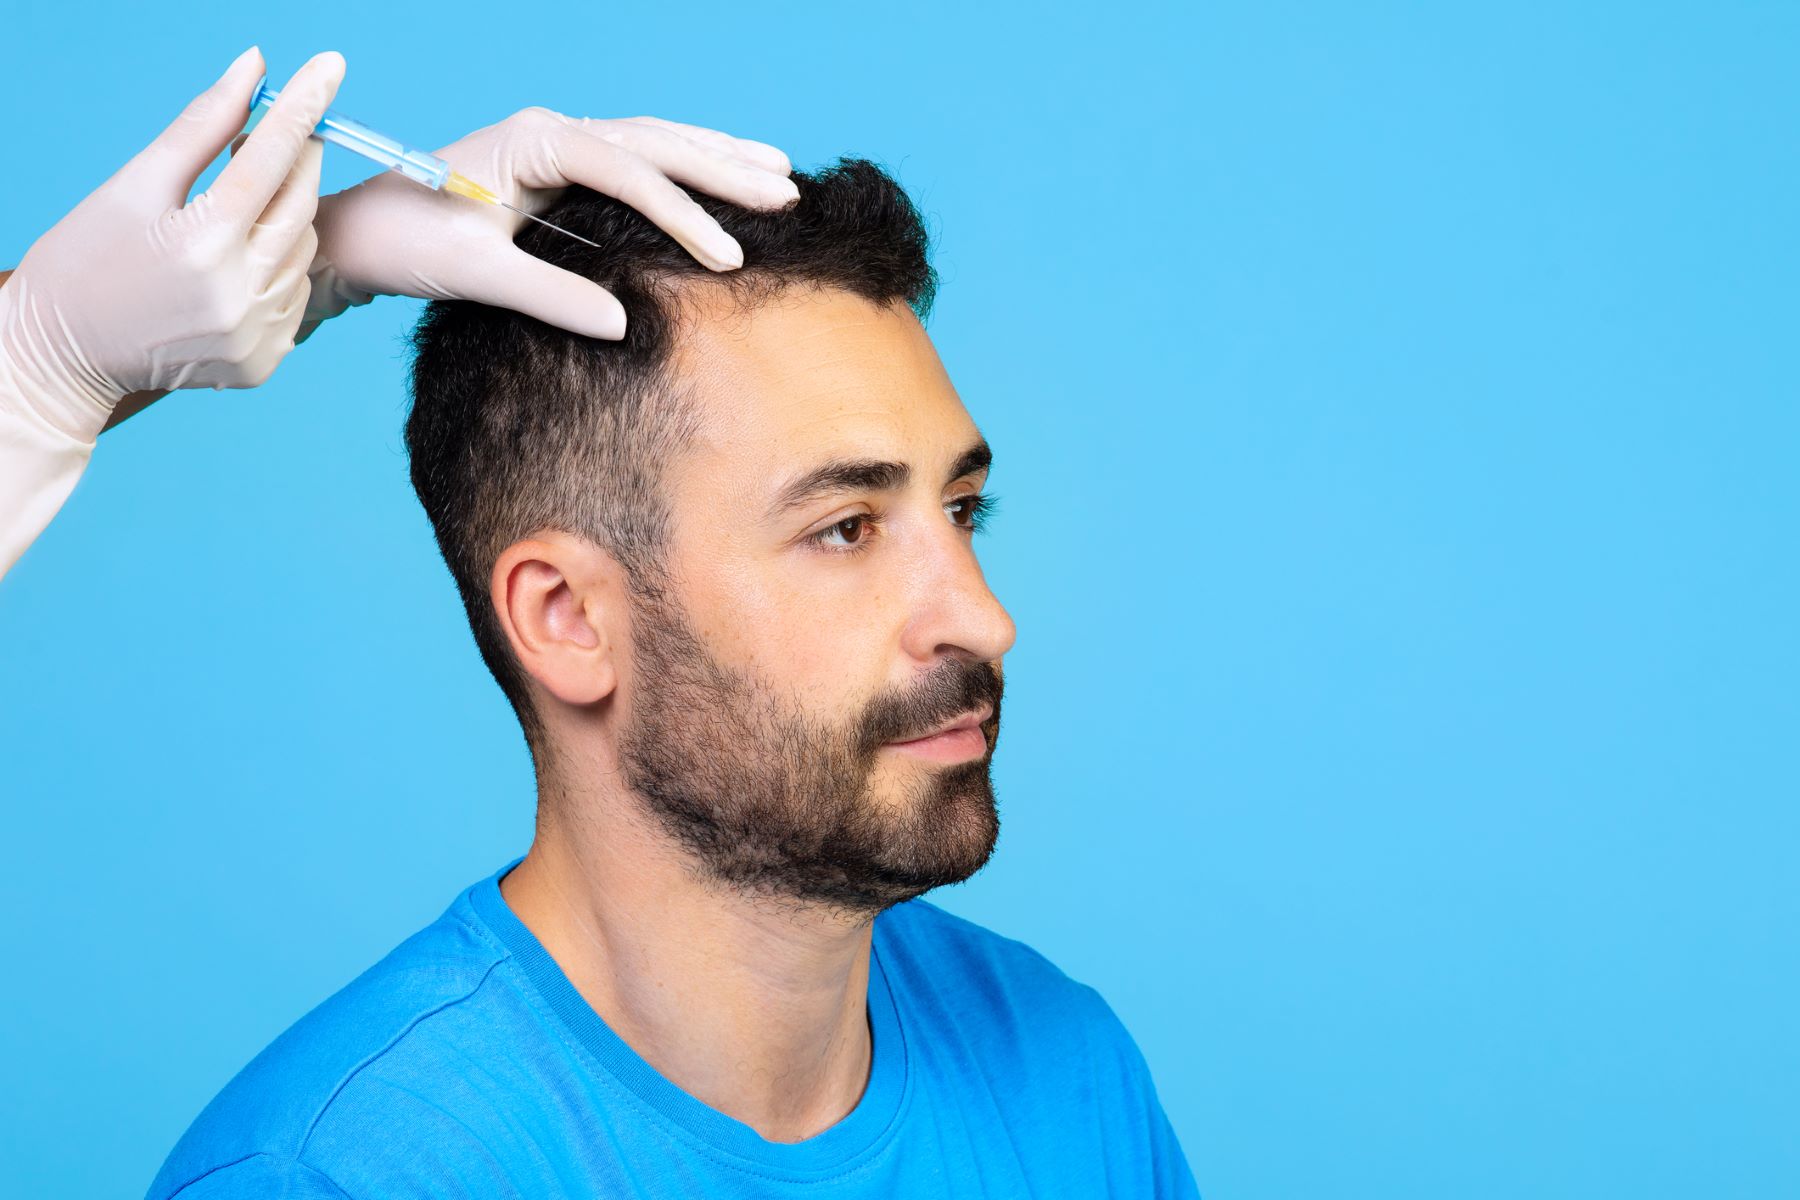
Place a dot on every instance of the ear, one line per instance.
(561, 602)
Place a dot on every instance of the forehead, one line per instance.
(812, 374)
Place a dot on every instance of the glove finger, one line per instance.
(255, 173)
(516, 280)
(582, 158)
(757, 154)
(697, 165)
(184, 149)
(290, 213)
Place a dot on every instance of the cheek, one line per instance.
(824, 632)
(821, 637)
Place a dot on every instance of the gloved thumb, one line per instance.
(172, 163)
(527, 284)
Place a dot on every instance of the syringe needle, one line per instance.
(551, 224)
(462, 185)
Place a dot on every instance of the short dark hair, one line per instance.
(518, 426)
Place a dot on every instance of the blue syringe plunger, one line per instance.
(417, 165)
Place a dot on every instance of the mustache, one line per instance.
(953, 690)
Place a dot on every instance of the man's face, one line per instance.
(809, 632)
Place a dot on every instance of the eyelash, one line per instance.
(982, 505)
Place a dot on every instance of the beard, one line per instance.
(774, 802)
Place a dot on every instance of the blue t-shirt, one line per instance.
(465, 1064)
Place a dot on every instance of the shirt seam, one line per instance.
(308, 1168)
(474, 924)
(350, 1075)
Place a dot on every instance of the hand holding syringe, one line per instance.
(142, 288)
(390, 236)
(416, 165)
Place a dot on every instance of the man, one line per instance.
(723, 570)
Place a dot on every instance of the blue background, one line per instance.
(1396, 430)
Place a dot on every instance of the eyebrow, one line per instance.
(868, 475)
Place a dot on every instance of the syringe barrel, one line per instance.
(352, 134)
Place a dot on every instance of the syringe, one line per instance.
(416, 165)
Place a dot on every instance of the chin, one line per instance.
(948, 836)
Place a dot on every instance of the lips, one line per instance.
(972, 720)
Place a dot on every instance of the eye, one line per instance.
(854, 529)
(975, 508)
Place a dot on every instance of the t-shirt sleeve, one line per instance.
(1169, 1166)
(1159, 1167)
(261, 1177)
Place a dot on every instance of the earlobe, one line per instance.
(550, 597)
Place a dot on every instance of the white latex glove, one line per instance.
(389, 236)
(139, 289)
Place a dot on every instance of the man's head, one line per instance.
(729, 557)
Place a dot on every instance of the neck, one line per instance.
(755, 1008)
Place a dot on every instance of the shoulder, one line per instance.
(259, 1176)
(988, 1016)
(956, 974)
(260, 1122)
(921, 930)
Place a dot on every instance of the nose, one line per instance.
(952, 611)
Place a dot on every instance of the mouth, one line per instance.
(954, 741)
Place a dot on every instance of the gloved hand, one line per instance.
(389, 236)
(139, 288)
